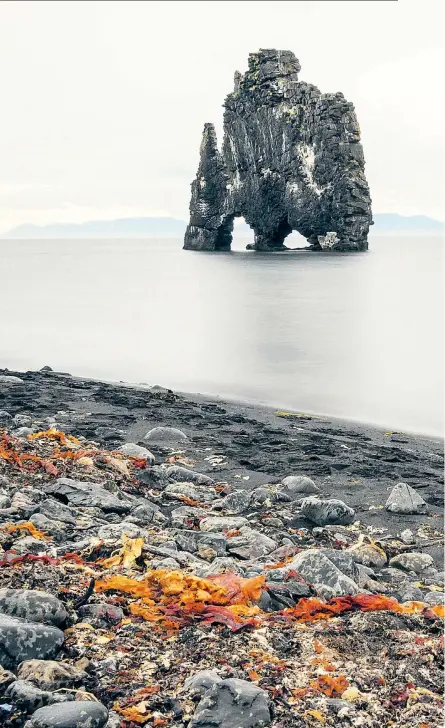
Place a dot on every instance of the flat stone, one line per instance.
(250, 544)
(316, 568)
(178, 474)
(21, 640)
(296, 484)
(232, 703)
(185, 516)
(89, 495)
(222, 523)
(74, 714)
(189, 541)
(324, 511)
(57, 511)
(201, 494)
(404, 499)
(115, 531)
(33, 605)
(412, 562)
(165, 435)
(51, 675)
(137, 451)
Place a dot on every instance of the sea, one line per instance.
(353, 335)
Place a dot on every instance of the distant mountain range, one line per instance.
(170, 227)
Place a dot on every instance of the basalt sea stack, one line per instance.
(291, 160)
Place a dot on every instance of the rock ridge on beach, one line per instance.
(248, 574)
(291, 159)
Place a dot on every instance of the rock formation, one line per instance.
(291, 160)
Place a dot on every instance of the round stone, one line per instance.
(165, 435)
(74, 714)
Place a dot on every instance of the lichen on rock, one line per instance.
(291, 159)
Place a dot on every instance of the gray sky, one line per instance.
(103, 103)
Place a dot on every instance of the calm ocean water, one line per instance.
(358, 336)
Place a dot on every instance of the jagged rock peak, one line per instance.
(291, 160)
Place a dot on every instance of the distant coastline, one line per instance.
(169, 227)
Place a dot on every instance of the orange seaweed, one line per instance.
(29, 527)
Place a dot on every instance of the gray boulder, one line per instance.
(296, 484)
(185, 515)
(57, 511)
(250, 544)
(22, 420)
(222, 523)
(136, 451)
(27, 697)
(404, 499)
(74, 714)
(316, 568)
(434, 598)
(324, 511)
(21, 640)
(201, 494)
(409, 593)
(231, 703)
(165, 435)
(412, 562)
(236, 502)
(33, 605)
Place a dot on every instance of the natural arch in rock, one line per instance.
(291, 159)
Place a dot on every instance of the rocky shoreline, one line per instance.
(173, 560)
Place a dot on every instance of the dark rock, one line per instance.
(189, 540)
(100, 615)
(57, 511)
(291, 160)
(409, 593)
(21, 640)
(27, 697)
(324, 511)
(5, 418)
(177, 474)
(75, 714)
(33, 605)
(231, 703)
(86, 494)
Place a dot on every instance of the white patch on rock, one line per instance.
(307, 158)
(328, 241)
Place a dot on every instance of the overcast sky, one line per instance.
(103, 103)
